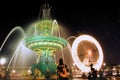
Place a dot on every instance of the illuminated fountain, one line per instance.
(45, 43)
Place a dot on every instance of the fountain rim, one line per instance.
(46, 39)
(53, 43)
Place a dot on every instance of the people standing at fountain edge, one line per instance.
(62, 70)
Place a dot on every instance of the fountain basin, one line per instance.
(38, 43)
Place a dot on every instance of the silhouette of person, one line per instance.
(62, 70)
(89, 76)
(93, 74)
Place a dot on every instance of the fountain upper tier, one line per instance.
(44, 38)
(45, 27)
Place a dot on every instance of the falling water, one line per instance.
(10, 33)
(53, 27)
(71, 37)
(14, 29)
(14, 54)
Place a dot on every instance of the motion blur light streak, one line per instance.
(75, 55)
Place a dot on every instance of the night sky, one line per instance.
(101, 21)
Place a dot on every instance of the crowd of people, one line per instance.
(92, 75)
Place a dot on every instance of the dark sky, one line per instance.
(101, 21)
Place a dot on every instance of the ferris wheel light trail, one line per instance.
(75, 57)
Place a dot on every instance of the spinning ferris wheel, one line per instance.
(85, 51)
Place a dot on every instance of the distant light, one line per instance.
(98, 75)
(114, 69)
(2, 61)
(114, 73)
(73, 64)
(13, 71)
(29, 71)
(104, 64)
